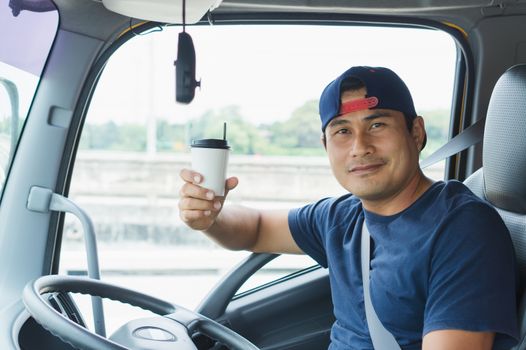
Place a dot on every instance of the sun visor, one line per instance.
(169, 11)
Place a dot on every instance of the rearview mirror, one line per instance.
(185, 82)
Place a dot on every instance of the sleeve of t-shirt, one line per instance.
(472, 285)
(307, 226)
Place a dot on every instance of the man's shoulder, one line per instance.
(459, 195)
(344, 203)
(452, 201)
(467, 209)
(456, 187)
(329, 210)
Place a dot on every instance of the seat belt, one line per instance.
(470, 136)
(382, 339)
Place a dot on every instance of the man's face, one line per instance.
(372, 153)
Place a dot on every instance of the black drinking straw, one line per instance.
(224, 131)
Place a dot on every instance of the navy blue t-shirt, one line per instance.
(446, 262)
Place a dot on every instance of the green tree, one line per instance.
(171, 137)
(130, 137)
(300, 134)
(437, 129)
(110, 136)
(95, 136)
(243, 136)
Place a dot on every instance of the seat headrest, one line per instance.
(504, 152)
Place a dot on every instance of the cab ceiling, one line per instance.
(355, 6)
(91, 18)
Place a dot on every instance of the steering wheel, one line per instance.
(181, 322)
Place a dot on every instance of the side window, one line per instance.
(20, 72)
(136, 140)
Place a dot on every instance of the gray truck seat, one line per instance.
(502, 178)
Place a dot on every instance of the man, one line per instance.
(442, 270)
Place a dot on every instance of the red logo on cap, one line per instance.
(358, 105)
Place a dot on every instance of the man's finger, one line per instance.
(195, 191)
(189, 175)
(232, 183)
(193, 215)
(188, 203)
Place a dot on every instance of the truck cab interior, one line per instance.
(100, 99)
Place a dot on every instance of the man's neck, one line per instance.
(401, 200)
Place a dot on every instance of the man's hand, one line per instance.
(238, 227)
(198, 206)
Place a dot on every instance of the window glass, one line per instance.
(23, 54)
(264, 81)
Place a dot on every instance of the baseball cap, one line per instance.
(385, 90)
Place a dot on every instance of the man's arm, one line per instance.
(236, 227)
(458, 340)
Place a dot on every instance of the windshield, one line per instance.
(264, 81)
(32, 27)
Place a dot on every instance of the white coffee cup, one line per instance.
(210, 159)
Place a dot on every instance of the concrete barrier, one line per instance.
(133, 196)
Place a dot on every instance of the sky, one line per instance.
(267, 71)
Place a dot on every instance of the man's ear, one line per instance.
(418, 132)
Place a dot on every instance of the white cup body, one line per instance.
(212, 164)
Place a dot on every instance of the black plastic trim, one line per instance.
(277, 281)
(295, 314)
(462, 104)
(216, 302)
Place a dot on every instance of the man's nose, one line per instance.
(361, 145)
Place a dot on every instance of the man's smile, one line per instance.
(364, 169)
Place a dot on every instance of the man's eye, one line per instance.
(342, 131)
(376, 125)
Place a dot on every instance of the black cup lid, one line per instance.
(210, 143)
